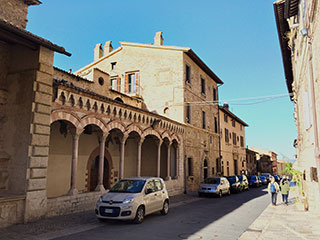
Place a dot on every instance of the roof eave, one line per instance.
(203, 66)
(282, 28)
(13, 34)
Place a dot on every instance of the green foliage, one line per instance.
(295, 174)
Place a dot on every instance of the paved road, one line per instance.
(208, 218)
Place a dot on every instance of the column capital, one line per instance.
(124, 138)
(141, 140)
(159, 142)
(76, 132)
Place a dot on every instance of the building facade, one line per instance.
(266, 160)
(251, 159)
(175, 83)
(233, 150)
(299, 34)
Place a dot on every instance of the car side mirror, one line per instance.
(148, 191)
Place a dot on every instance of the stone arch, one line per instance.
(67, 116)
(133, 128)
(115, 124)
(165, 134)
(151, 131)
(175, 137)
(94, 121)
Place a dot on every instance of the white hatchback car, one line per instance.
(134, 198)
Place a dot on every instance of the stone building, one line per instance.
(299, 33)
(72, 138)
(266, 160)
(251, 159)
(175, 83)
(233, 150)
(134, 111)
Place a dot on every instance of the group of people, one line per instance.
(274, 188)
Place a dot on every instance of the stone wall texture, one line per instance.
(14, 12)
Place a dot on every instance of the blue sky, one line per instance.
(236, 39)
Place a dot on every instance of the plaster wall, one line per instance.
(302, 66)
(160, 74)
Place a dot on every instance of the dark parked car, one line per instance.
(235, 185)
(267, 175)
(254, 181)
(264, 180)
(244, 182)
(277, 178)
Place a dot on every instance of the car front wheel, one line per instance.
(165, 208)
(139, 215)
(220, 194)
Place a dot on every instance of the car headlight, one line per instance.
(100, 199)
(233, 185)
(128, 200)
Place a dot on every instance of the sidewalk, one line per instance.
(284, 222)
(50, 228)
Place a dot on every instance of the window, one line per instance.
(234, 138)
(131, 83)
(233, 123)
(214, 94)
(115, 83)
(101, 81)
(190, 170)
(203, 86)
(240, 127)
(158, 184)
(226, 137)
(215, 125)
(188, 113)
(241, 141)
(188, 75)
(225, 117)
(113, 65)
(204, 120)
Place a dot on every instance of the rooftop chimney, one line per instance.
(226, 105)
(98, 51)
(107, 48)
(158, 39)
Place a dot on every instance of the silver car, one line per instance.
(133, 199)
(214, 185)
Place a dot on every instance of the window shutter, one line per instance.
(118, 84)
(137, 83)
(126, 83)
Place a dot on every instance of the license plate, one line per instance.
(108, 210)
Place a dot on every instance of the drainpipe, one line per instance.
(314, 111)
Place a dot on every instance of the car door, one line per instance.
(150, 197)
(159, 194)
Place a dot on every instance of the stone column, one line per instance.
(159, 157)
(102, 146)
(168, 161)
(122, 147)
(75, 148)
(4, 156)
(139, 157)
(177, 160)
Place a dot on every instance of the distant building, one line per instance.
(233, 150)
(281, 165)
(299, 35)
(251, 159)
(266, 160)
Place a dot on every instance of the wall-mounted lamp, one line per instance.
(304, 32)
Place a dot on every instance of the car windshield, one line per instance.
(212, 181)
(232, 179)
(128, 186)
(253, 177)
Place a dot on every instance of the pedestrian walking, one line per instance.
(273, 188)
(285, 188)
